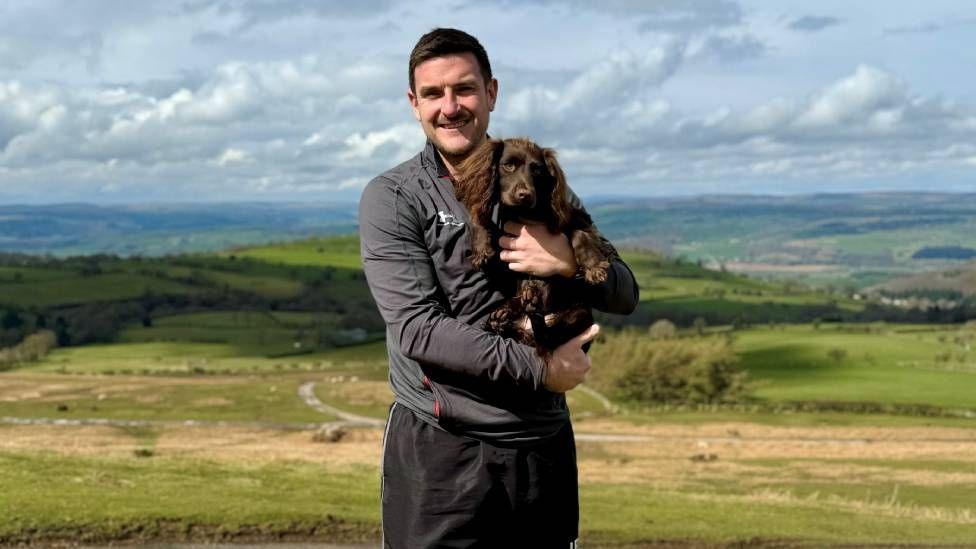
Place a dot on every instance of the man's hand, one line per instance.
(568, 364)
(533, 250)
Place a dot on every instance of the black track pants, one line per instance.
(444, 490)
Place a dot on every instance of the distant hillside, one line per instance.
(158, 229)
(315, 291)
(841, 240)
(961, 280)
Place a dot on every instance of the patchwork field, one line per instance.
(110, 456)
(193, 411)
(855, 240)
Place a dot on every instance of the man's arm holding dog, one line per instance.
(532, 249)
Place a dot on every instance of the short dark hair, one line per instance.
(441, 42)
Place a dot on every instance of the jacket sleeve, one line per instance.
(403, 283)
(619, 293)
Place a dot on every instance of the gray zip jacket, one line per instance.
(443, 365)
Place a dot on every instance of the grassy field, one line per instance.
(881, 364)
(858, 368)
(213, 398)
(250, 333)
(86, 289)
(683, 290)
(765, 469)
(30, 274)
(277, 272)
(818, 486)
(817, 478)
(341, 251)
(91, 499)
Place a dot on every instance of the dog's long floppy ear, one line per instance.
(476, 179)
(560, 203)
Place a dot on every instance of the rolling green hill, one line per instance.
(852, 240)
(336, 251)
(106, 298)
(955, 281)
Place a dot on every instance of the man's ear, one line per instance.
(492, 91)
(414, 104)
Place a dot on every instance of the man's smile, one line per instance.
(455, 125)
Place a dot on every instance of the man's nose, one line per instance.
(449, 105)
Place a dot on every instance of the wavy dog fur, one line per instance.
(528, 183)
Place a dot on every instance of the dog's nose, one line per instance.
(523, 195)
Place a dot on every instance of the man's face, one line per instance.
(452, 103)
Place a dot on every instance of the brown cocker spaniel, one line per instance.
(529, 185)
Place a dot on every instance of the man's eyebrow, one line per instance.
(466, 82)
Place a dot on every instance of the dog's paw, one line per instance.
(596, 274)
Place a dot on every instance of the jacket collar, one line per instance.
(431, 159)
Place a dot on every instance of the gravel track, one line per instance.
(307, 393)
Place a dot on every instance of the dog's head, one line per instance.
(531, 181)
(521, 175)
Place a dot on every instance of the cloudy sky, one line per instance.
(203, 100)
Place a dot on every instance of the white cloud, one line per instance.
(233, 156)
(854, 98)
(400, 140)
(772, 167)
(254, 96)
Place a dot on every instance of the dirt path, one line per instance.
(603, 430)
(607, 405)
(307, 393)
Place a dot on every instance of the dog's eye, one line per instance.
(508, 167)
(536, 169)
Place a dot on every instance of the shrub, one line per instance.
(663, 329)
(635, 368)
(837, 355)
(33, 348)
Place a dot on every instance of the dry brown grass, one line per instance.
(46, 387)
(358, 393)
(216, 443)
(826, 454)
(882, 507)
(803, 454)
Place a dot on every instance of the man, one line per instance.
(479, 447)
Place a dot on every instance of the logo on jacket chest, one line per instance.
(445, 218)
